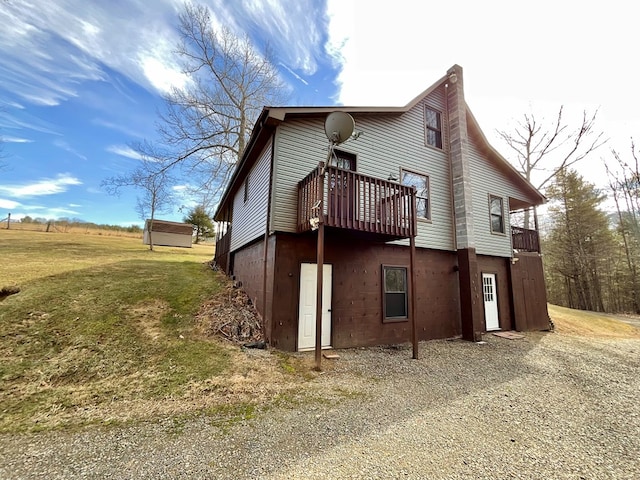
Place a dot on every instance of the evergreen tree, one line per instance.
(580, 246)
(199, 218)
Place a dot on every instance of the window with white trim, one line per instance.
(395, 296)
(421, 182)
(496, 213)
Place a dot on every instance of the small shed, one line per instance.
(170, 234)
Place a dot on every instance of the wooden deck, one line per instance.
(350, 200)
(525, 240)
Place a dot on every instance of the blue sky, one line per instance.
(81, 80)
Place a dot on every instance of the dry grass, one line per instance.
(104, 330)
(590, 324)
(89, 229)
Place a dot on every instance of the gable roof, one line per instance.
(271, 117)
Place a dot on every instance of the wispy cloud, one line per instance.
(294, 27)
(49, 49)
(124, 151)
(15, 140)
(45, 186)
(298, 77)
(122, 128)
(68, 148)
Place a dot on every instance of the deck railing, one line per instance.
(358, 202)
(525, 240)
(221, 255)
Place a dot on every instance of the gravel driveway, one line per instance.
(543, 407)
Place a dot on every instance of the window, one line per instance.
(421, 182)
(497, 214)
(433, 127)
(394, 281)
(343, 160)
(246, 189)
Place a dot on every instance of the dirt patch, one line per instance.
(148, 315)
(7, 291)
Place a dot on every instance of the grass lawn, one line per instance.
(103, 330)
(590, 324)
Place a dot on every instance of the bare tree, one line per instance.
(153, 180)
(206, 124)
(550, 149)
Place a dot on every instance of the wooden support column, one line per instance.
(414, 309)
(471, 306)
(320, 272)
(320, 281)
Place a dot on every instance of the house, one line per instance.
(417, 185)
(170, 234)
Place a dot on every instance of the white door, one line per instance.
(490, 301)
(307, 310)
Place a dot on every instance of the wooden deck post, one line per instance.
(413, 231)
(319, 274)
(320, 282)
(414, 319)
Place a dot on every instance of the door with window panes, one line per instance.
(342, 185)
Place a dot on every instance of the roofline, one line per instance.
(511, 170)
(271, 116)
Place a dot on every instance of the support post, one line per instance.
(320, 274)
(320, 281)
(414, 315)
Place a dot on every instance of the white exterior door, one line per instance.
(489, 293)
(307, 310)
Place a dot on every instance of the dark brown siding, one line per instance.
(529, 294)
(248, 268)
(357, 292)
(499, 266)
(171, 227)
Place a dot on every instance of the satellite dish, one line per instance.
(338, 126)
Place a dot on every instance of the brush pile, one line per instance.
(231, 314)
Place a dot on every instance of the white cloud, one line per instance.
(15, 140)
(46, 186)
(50, 48)
(161, 74)
(4, 203)
(124, 151)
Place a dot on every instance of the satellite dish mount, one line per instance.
(338, 127)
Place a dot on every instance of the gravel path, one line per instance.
(546, 406)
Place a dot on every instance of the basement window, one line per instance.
(394, 299)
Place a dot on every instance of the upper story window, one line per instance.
(433, 127)
(342, 159)
(496, 212)
(421, 182)
(246, 189)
